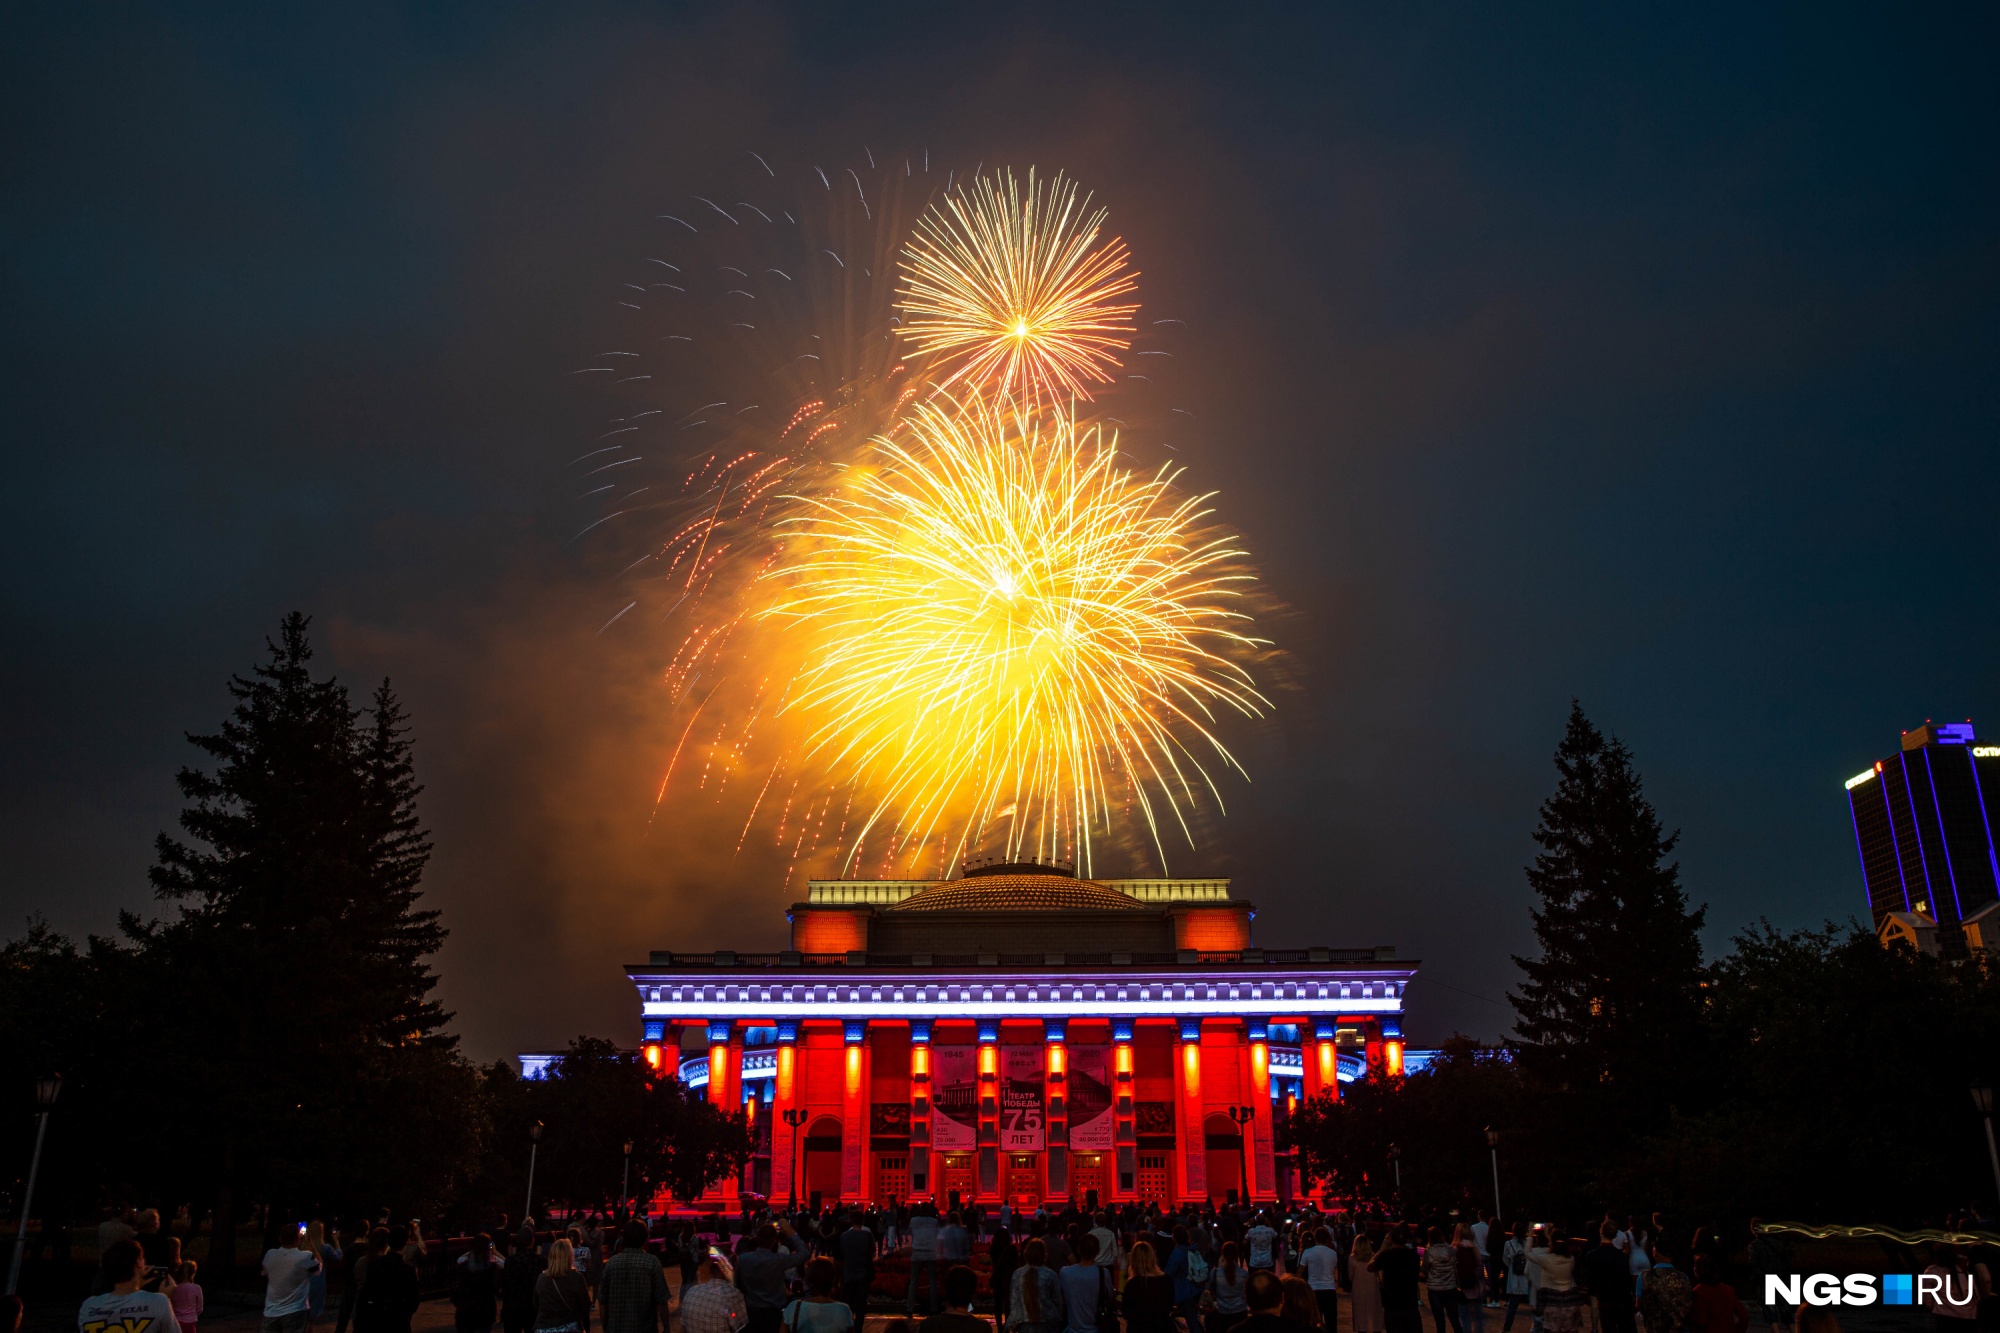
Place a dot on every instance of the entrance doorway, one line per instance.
(822, 1157)
(1024, 1179)
(1225, 1157)
(1086, 1176)
(1152, 1177)
(892, 1176)
(961, 1178)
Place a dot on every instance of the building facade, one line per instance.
(1020, 1034)
(1923, 829)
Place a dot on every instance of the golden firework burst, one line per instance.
(1005, 635)
(1016, 291)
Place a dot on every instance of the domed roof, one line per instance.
(1018, 892)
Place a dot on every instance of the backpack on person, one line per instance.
(1197, 1266)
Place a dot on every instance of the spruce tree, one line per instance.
(1612, 1007)
(311, 852)
(299, 952)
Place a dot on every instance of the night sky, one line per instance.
(1645, 358)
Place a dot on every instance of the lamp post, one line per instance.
(795, 1116)
(1493, 1146)
(1982, 1097)
(1396, 1161)
(534, 1147)
(1243, 1115)
(46, 1091)
(625, 1181)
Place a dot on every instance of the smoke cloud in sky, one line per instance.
(1642, 358)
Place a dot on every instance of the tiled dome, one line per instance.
(1018, 893)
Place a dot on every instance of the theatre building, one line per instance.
(1020, 1034)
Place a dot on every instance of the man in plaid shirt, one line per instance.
(712, 1304)
(633, 1291)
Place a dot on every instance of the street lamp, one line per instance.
(46, 1091)
(1396, 1161)
(625, 1181)
(1982, 1098)
(1493, 1146)
(795, 1117)
(1243, 1115)
(534, 1147)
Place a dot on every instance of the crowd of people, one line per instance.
(969, 1270)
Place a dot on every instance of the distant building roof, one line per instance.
(889, 892)
(1009, 892)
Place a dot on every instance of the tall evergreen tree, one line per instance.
(1613, 1004)
(299, 942)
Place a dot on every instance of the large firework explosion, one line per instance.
(916, 607)
(1006, 632)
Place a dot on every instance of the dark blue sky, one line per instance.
(1646, 358)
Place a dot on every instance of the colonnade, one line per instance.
(1173, 1084)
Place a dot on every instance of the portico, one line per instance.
(1019, 1034)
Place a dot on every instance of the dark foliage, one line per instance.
(592, 1101)
(1844, 1069)
(1437, 1119)
(1815, 1075)
(273, 1037)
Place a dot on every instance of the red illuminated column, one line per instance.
(1263, 1167)
(853, 1109)
(725, 1083)
(1323, 1059)
(1194, 1128)
(1123, 1129)
(1055, 1090)
(785, 1097)
(989, 1111)
(920, 1109)
(1320, 1057)
(718, 1064)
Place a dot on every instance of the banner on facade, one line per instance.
(1089, 1094)
(1021, 1117)
(954, 1098)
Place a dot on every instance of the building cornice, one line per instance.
(1244, 990)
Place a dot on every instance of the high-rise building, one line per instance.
(1923, 826)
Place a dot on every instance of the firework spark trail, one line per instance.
(1012, 291)
(994, 612)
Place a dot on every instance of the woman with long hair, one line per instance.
(1148, 1299)
(1365, 1285)
(1514, 1270)
(1228, 1302)
(1035, 1302)
(562, 1295)
(328, 1257)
